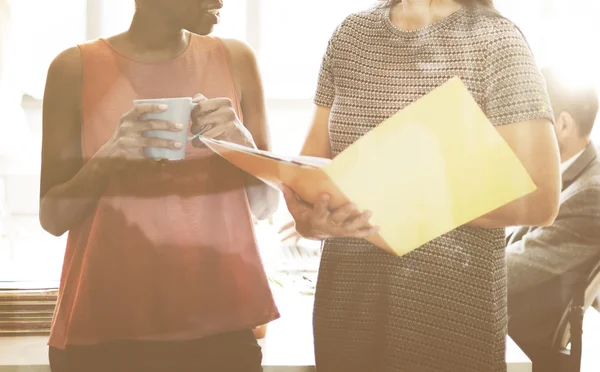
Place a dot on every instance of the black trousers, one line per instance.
(232, 352)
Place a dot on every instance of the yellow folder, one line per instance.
(432, 167)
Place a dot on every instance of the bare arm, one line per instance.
(317, 142)
(70, 188)
(263, 199)
(320, 222)
(535, 145)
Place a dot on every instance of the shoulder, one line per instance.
(585, 191)
(74, 57)
(365, 17)
(68, 62)
(590, 179)
(241, 55)
(65, 75)
(244, 66)
(63, 96)
(360, 22)
(490, 20)
(239, 49)
(499, 32)
(357, 28)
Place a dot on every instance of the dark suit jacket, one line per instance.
(545, 262)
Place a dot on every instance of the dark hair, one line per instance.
(581, 102)
(472, 3)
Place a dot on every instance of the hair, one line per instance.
(470, 3)
(580, 101)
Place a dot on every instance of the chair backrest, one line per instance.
(570, 327)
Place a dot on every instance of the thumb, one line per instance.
(199, 98)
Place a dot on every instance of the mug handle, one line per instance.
(191, 138)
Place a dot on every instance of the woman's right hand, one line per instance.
(128, 141)
(319, 222)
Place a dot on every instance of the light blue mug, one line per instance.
(178, 111)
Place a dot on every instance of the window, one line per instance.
(115, 16)
(562, 34)
(289, 38)
(37, 38)
(30, 40)
(293, 37)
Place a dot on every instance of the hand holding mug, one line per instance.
(128, 140)
(216, 118)
(320, 222)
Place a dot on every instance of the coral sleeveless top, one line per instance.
(169, 254)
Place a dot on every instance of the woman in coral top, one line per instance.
(162, 270)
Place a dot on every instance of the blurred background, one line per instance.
(288, 36)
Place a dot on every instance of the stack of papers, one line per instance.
(26, 311)
(435, 165)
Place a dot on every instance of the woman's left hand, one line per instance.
(320, 222)
(217, 119)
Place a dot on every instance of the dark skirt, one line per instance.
(441, 308)
(232, 352)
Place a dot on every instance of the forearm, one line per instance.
(66, 204)
(535, 209)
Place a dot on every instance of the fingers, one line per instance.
(134, 147)
(360, 226)
(342, 214)
(291, 235)
(288, 232)
(199, 98)
(160, 143)
(321, 208)
(366, 233)
(287, 226)
(145, 108)
(360, 222)
(144, 125)
(214, 123)
(340, 223)
(206, 106)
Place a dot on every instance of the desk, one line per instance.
(288, 346)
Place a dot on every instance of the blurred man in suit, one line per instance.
(545, 262)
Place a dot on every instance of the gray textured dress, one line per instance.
(442, 307)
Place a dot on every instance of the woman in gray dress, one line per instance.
(441, 308)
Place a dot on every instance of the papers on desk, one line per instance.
(430, 168)
(26, 311)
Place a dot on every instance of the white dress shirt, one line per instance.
(565, 165)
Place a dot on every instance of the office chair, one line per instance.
(570, 327)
